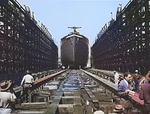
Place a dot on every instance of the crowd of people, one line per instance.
(132, 83)
(128, 84)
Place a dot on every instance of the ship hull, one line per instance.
(74, 51)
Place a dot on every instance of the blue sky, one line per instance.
(57, 15)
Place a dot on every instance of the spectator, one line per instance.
(123, 90)
(118, 109)
(137, 74)
(7, 97)
(135, 82)
(27, 84)
(144, 93)
(116, 76)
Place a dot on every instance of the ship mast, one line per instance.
(74, 28)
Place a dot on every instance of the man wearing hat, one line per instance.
(27, 83)
(7, 98)
(118, 109)
(144, 93)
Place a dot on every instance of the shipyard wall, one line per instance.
(125, 44)
(23, 43)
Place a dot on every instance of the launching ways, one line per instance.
(52, 93)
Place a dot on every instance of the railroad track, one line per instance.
(70, 91)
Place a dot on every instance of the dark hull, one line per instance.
(74, 50)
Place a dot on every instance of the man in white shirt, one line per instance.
(27, 83)
(27, 79)
(7, 97)
(116, 76)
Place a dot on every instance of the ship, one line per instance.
(123, 43)
(74, 50)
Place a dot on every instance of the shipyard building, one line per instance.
(123, 44)
(23, 43)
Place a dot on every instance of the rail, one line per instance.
(39, 82)
(107, 84)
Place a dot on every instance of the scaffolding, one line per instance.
(125, 45)
(23, 43)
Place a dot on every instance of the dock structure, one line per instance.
(92, 91)
(24, 43)
(123, 44)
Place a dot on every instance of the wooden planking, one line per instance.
(53, 109)
(94, 99)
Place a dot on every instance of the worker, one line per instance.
(7, 97)
(27, 84)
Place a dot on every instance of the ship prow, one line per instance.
(74, 49)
